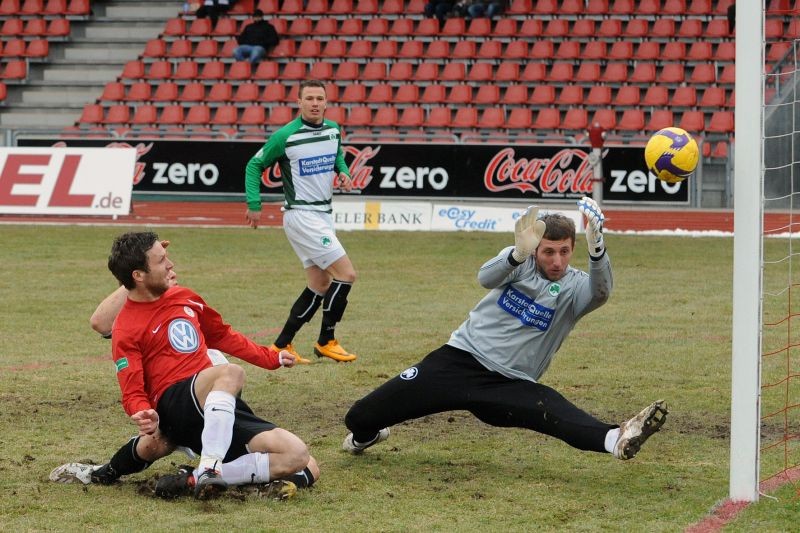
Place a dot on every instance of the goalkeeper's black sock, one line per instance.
(302, 311)
(333, 307)
(302, 479)
(125, 461)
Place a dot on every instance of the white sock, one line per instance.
(249, 468)
(217, 429)
(611, 439)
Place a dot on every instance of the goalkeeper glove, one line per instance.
(594, 226)
(528, 231)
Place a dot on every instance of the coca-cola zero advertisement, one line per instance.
(435, 171)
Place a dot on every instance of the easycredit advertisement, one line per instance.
(66, 181)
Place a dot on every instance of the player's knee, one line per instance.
(355, 417)
(313, 467)
(232, 376)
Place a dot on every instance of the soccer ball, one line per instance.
(671, 154)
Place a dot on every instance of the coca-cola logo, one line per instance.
(567, 171)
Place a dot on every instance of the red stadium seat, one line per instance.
(316, 7)
(212, 70)
(117, 114)
(309, 48)
(359, 116)
(411, 117)
(465, 118)
(643, 73)
(492, 49)
(479, 27)
(721, 122)
(660, 119)
(403, 71)
(647, 50)
(599, 95)
(628, 95)
(547, 119)
(160, 70)
(378, 94)
(477, 72)
(615, 72)
(385, 49)
(703, 74)
(509, 71)
(542, 50)
(568, 50)
(351, 28)
(347, 70)
(180, 48)
(433, 94)
(266, 70)
(428, 27)
(588, 72)
(531, 27)
(674, 7)
(504, 27)
(402, 27)
(294, 70)
(9, 7)
(674, 51)
(207, 48)
(556, 28)
(621, 7)
(649, 7)
(727, 75)
(220, 92)
(607, 118)
(454, 27)
(280, 115)
(376, 71)
(113, 91)
(610, 29)
(321, 71)
(226, 27)
(145, 115)
(199, 27)
(575, 119)
(622, 50)
(638, 28)
(15, 48)
(492, 117)
(193, 92)
(571, 95)
(407, 94)
(597, 7)
(366, 7)
(353, 93)
(35, 27)
(533, 72)
(692, 121)
(520, 7)
(12, 26)
(684, 97)
(78, 7)
(713, 97)
(291, 7)
(438, 117)
(663, 28)
(239, 71)
(225, 115)
(249, 92)
(725, 51)
(561, 72)
(165, 92)
(175, 27)
(341, 7)
(171, 115)
(656, 96)
(91, 114)
(335, 48)
(699, 7)
(155, 48)
(464, 50)
(543, 95)
(385, 117)
(690, 28)
(631, 120)
(583, 28)
(460, 94)
(411, 49)
(360, 48)
(595, 50)
(253, 115)
(519, 118)
(716, 29)
(141, 91)
(699, 51)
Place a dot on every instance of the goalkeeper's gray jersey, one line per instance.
(520, 324)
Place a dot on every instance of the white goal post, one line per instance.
(747, 253)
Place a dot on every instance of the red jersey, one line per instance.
(157, 344)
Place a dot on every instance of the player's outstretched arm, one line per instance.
(528, 232)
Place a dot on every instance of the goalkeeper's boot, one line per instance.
(350, 445)
(634, 432)
(333, 350)
(172, 486)
(278, 490)
(209, 485)
(298, 359)
(79, 473)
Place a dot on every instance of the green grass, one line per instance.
(664, 334)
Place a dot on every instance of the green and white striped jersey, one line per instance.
(309, 156)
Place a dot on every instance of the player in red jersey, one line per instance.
(181, 391)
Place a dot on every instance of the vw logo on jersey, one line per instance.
(183, 336)
(409, 373)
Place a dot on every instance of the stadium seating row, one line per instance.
(46, 8)
(486, 49)
(441, 117)
(660, 28)
(559, 72)
(713, 97)
(516, 7)
(50, 28)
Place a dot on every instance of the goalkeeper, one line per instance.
(492, 363)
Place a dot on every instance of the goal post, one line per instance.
(747, 253)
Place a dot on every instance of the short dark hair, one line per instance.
(559, 227)
(310, 83)
(257, 13)
(129, 253)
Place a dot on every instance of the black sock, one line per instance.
(124, 462)
(302, 311)
(333, 308)
(302, 479)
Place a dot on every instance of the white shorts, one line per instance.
(313, 238)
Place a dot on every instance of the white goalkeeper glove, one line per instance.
(528, 231)
(594, 226)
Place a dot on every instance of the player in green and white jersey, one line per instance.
(308, 151)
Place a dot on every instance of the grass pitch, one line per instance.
(664, 334)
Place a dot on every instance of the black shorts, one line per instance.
(181, 420)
